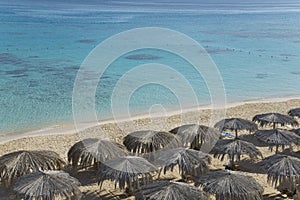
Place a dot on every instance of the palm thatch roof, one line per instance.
(229, 185)
(170, 190)
(297, 154)
(281, 167)
(194, 135)
(47, 185)
(234, 149)
(126, 171)
(290, 152)
(149, 141)
(236, 124)
(274, 119)
(189, 161)
(277, 137)
(297, 131)
(91, 151)
(294, 112)
(19, 163)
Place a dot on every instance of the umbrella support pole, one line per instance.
(196, 143)
(232, 164)
(159, 173)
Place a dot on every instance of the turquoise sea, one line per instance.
(256, 47)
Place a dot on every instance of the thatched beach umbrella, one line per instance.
(294, 112)
(234, 149)
(170, 190)
(126, 170)
(194, 135)
(281, 167)
(296, 154)
(149, 141)
(19, 163)
(189, 161)
(297, 131)
(236, 124)
(47, 185)
(274, 119)
(91, 151)
(277, 137)
(290, 152)
(229, 185)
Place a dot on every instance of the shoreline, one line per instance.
(71, 128)
(61, 138)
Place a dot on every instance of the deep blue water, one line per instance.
(256, 47)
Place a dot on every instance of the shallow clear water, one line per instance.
(256, 47)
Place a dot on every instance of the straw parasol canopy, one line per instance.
(149, 141)
(47, 185)
(297, 154)
(189, 161)
(290, 152)
(274, 119)
(194, 135)
(234, 149)
(294, 112)
(229, 185)
(91, 151)
(236, 124)
(126, 171)
(277, 137)
(297, 131)
(281, 167)
(19, 163)
(170, 190)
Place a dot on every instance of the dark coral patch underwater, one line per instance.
(143, 57)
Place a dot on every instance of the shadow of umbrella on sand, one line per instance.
(195, 136)
(236, 124)
(92, 151)
(228, 185)
(47, 185)
(148, 141)
(294, 112)
(170, 190)
(126, 171)
(19, 163)
(189, 161)
(274, 119)
(234, 149)
(277, 137)
(280, 167)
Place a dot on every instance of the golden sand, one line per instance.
(60, 143)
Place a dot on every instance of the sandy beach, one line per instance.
(60, 142)
(73, 70)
